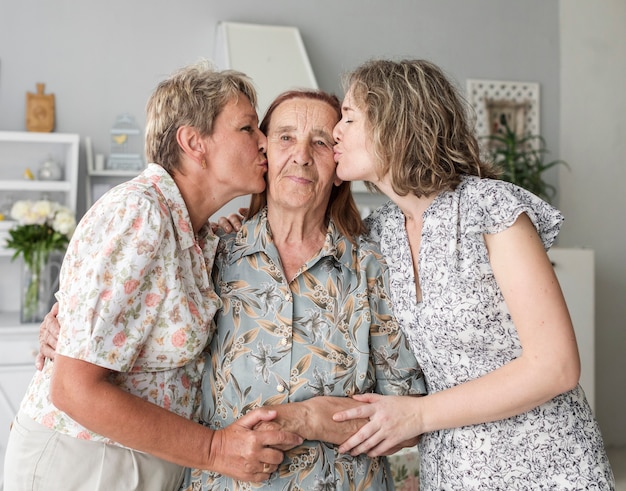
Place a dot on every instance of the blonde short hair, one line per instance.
(192, 96)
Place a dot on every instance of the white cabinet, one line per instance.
(575, 269)
(18, 347)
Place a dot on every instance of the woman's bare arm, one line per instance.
(84, 392)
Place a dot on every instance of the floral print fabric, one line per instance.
(330, 331)
(136, 296)
(462, 329)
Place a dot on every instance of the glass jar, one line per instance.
(50, 170)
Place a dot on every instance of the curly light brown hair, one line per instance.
(192, 96)
(421, 133)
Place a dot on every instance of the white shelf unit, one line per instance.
(20, 150)
(114, 173)
(19, 342)
(98, 181)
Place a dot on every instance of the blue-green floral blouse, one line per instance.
(330, 331)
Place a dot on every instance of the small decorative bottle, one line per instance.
(50, 170)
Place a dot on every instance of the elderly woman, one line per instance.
(305, 309)
(136, 305)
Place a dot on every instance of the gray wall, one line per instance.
(102, 59)
(593, 141)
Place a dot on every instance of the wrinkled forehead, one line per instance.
(304, 114)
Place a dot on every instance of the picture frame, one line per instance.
(516, 102)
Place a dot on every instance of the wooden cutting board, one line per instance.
(40, 110)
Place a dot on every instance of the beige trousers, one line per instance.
(41, 459)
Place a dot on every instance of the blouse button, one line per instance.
(280, 388)
(283, 342)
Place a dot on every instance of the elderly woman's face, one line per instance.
(301, 168)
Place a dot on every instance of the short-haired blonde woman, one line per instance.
(474, 292)
(116, 409)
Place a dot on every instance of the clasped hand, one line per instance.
(392, 424)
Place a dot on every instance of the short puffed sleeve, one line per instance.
(491, 206)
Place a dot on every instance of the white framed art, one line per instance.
(517, 102)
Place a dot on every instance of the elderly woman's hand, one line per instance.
(48, 337)
(312, 419)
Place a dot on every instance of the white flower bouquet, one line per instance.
(42, 227)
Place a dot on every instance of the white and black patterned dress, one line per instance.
(462, 329)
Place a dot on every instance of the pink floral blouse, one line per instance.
(136, 296)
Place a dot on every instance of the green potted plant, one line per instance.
(521, 159)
